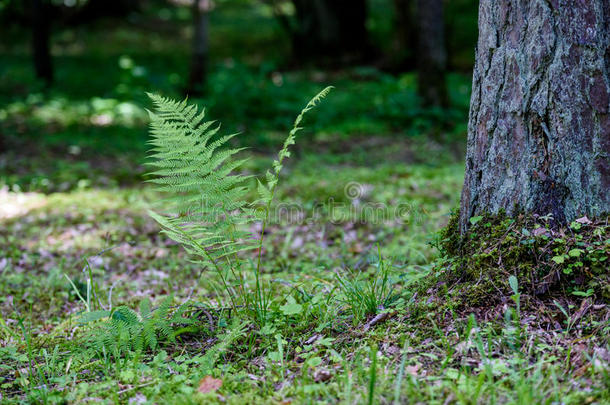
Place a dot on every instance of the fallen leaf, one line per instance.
(312, 339)
(297, 243)
(161, 253)
(378, 319)
(322, 375)
(583, 220)
(356, 248)
(209, 384)
(255, 377)
(581, 370)
(412, 369)
(540, 231)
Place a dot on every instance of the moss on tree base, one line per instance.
(547, 261)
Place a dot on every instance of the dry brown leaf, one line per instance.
(540, 231)
(356, 248)
(209, 384)
(322, 375)
(412, 369)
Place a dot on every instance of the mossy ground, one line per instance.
(551, 264)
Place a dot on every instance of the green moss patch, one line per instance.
(547, 261)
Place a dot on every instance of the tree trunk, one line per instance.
(331, 29)
(96, 9)
(41, 35)
(539, 128)
(406, 32)
(199, 62)
(431, 54)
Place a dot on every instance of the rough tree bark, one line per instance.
(431, 54)
(199, 59)
(539, 128)
(41, 35)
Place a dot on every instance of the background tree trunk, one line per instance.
(431, 54)
(406, 33)
(332, 29)
(199, 62)
(41, 35)
(95, 9)
(539, 129)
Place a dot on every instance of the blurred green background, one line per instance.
(87, 126)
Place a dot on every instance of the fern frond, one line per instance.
(205, 199)
(211, 356)
(272, 177)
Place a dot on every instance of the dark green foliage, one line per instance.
(234, 332)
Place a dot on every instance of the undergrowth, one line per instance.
(368, 296)
(206, 205)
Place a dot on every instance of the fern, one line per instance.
(123, 330)
(211, 356)
(205, 197)
(205, 203)
(267, 191)
(196, 174)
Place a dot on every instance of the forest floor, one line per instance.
(313, 349)
(76, 240)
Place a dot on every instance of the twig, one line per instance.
(135, 387)
(382, 317)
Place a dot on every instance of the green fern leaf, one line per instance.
(205, 200)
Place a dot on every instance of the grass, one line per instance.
(367, 297)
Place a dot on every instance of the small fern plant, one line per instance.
(206, 362)
(125, 331)
(205, 205)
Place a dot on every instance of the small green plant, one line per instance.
(372, 374)
(205, 207)
(566, 313)
(123, 330)
(208, 360)
(35, 376)
(368, 297)
(512, 328)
